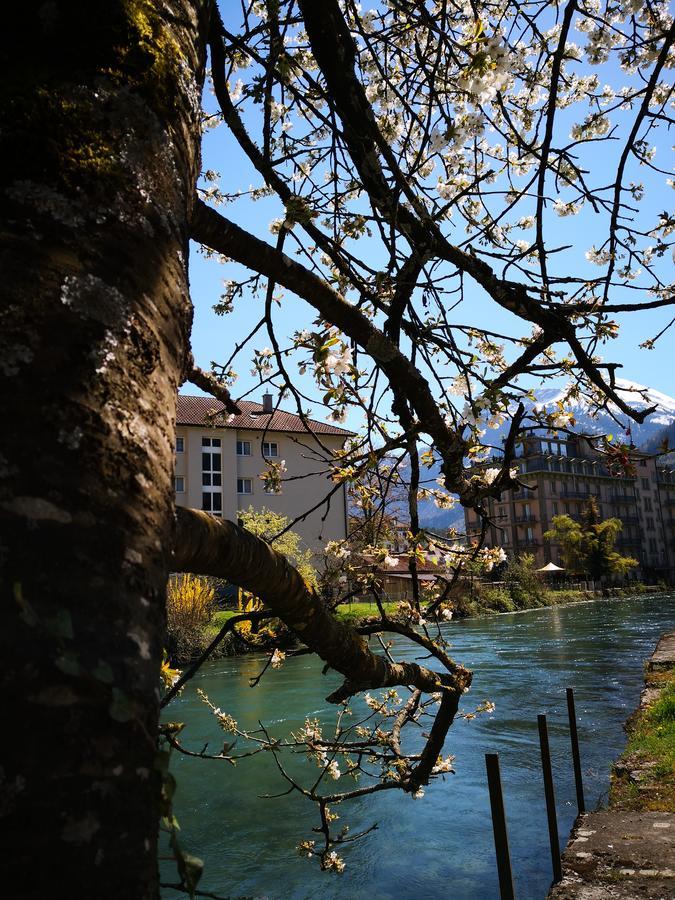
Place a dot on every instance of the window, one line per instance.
(648, 504)
(179, 484)
(645, 484)
(270, 448)
(212, 479)
(650, 525)
(211, 475)
(244, 486)
(212, 502)
(555, 509)
(243, 448)
(529, 535)
(180, 444)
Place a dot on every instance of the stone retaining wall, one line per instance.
(619, 854)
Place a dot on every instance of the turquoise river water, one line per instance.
(440, 845)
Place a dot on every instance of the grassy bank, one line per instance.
(354, 613)
(349, 612)
(486, 600)
(644, 776)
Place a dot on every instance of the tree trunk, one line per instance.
(99, 136)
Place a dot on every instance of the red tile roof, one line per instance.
(199, 411)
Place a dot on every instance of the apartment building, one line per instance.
(220, 458)
(562, 473)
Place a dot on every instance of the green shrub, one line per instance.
(464, 606)
(189, 610)
(496, 599)
(567, 596)
(524, 583)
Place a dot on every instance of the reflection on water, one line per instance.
(441, 845)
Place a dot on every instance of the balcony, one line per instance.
(524, 520)
(622, 498)
(581, 495)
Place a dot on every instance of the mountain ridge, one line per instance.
(648, 435)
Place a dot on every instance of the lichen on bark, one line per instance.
(99, 132)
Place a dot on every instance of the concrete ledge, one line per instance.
(663, 658)
(623, 854)
(614, 854)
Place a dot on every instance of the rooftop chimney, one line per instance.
(267, 403)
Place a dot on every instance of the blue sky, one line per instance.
(214, 336)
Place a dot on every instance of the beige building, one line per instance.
(220, 458)
(562, 474)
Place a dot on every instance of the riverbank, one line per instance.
(627, 851)
(485, 601)
(643, 778)
(489, 601)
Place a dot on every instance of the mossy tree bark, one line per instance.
(99, 121)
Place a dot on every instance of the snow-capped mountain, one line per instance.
(649, 435)
(636, 395)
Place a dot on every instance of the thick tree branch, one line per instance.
(215, 231)
(209, 546)
(335, 52)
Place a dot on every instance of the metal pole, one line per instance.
(550, 799)
(576, 758)
(506, 891)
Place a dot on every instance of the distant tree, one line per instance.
(588, 545)
(523, 580)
